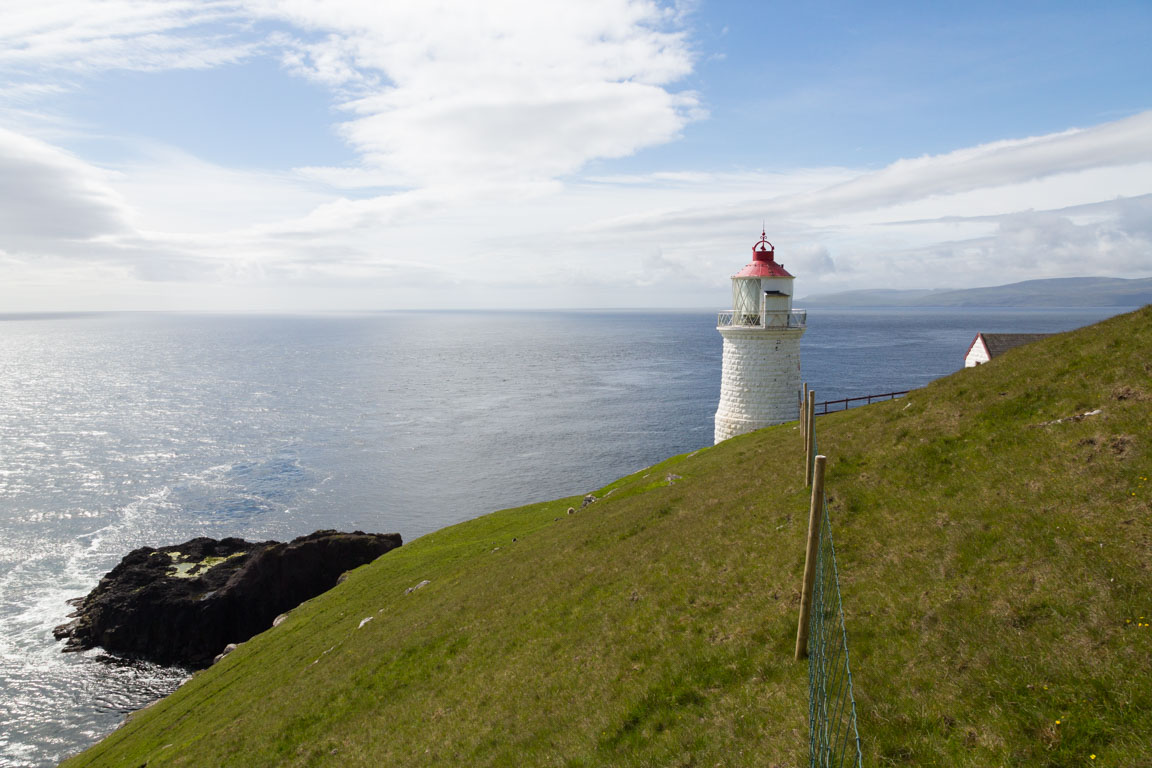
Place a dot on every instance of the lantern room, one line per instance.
(762, 287)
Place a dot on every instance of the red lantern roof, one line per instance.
(763, 261)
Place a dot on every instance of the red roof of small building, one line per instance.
(763, 261)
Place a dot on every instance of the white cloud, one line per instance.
(968, 217)
(459, 92)
(1113, 239)
(174, 192)
(87, 37)
(47, 194)
(1122, 143)
(452, 102)
(660, 240)
(474, 120)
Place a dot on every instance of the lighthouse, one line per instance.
(761, 373)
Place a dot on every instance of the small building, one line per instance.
(989, 345)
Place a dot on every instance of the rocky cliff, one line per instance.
(183, 604)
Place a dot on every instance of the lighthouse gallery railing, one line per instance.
(796, 318)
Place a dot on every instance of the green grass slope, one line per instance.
(996, 568)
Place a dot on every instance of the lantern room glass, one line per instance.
(746, 300)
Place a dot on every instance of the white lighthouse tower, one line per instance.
(761, 378)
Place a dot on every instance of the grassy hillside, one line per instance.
(996, 570)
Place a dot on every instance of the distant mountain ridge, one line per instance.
(1054, 292)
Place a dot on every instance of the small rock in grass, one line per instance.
(227, 650)
(410, 590)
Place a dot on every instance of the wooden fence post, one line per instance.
(815, 515)
(806, 425)
(810, 442)
(804, 409)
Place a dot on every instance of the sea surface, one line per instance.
(124, 430)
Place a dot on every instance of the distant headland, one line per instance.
(1054, 292)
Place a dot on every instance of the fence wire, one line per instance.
(832, 735)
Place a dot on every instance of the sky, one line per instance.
(349, 155)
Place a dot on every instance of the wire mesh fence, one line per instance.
(832, 734)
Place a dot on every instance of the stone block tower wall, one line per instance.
(760, 380)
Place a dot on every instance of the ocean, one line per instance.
(124, 430)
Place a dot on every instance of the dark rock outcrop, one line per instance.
(183, 604)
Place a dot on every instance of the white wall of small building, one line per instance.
(977, 355)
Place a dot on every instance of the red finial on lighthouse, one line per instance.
(763, 250)
(763, 260)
